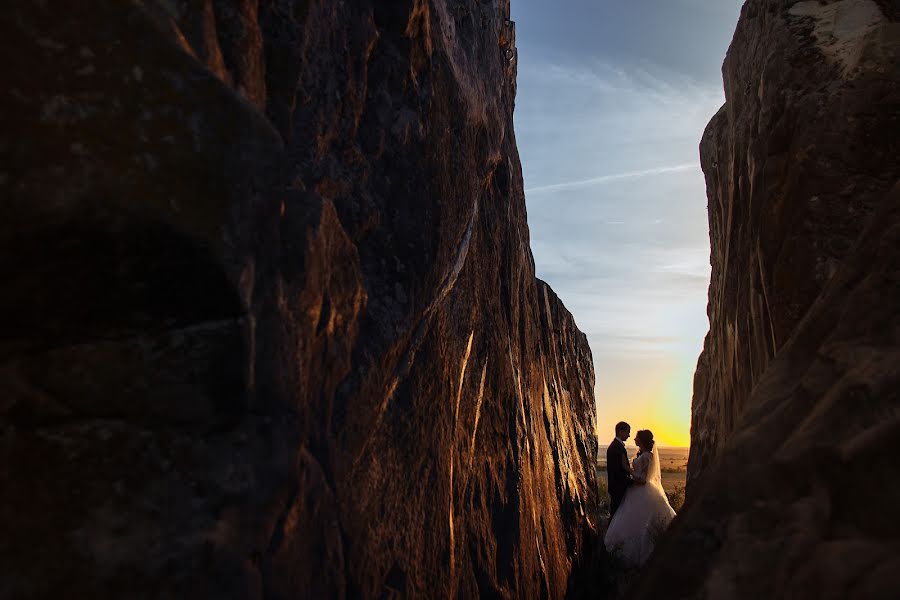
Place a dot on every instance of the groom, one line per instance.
(618, 471)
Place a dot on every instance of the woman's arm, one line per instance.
(639, 474)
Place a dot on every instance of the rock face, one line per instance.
(795, 417)
(796, 161)
(270, 325)
(801, 502)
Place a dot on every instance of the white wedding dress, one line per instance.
(643, 515)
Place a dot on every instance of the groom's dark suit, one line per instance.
(619, 479)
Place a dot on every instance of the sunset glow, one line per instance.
(654, 401)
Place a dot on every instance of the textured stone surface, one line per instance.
(270, 325)
(795, 162)
(796, 412)
(802, 502)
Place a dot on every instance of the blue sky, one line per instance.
(612, 100)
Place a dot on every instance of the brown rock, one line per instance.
(795, 162)
(791, 489)
(801, 502)
(270, 325)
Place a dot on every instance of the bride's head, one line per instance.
(644, 440)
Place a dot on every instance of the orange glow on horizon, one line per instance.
(658, 398)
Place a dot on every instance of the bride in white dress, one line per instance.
(645, 511)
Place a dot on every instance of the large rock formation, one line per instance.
(796, 161)
(270, 325)
(802, 502)
(795, 417)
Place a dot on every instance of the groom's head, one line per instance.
(623, 430)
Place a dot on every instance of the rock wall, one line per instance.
(796, 161)
(801, 502)
(270, 325)
(795, 416)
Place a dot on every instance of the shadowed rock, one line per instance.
(791, 475)
(270, 320)
(796, 161)
(800, 503)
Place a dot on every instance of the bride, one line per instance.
(645, 511)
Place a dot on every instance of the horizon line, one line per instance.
(612, 177)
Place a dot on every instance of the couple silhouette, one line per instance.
(638, 507)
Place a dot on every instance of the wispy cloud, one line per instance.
(612, 101)
(567, 185)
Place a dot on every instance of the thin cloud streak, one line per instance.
(606, 92)
(568, 185)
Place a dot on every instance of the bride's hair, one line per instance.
(646, 437)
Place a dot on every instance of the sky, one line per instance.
(612, 101)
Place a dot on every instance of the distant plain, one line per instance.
(673, 464)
